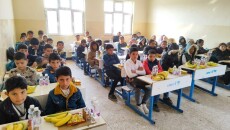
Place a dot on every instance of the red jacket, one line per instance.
(148, 69)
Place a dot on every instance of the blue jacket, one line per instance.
(80, 49)
(57, 102)
(51, 74)
(109, 60)
(39, 51)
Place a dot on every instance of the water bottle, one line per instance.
(156, 69)
(179, 70)
(47, 80)
(95, 109)
(36, 118)
(30, 117)
(174, 69)
(41, 81)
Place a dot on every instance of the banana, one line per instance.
(10, 127)
(30, 89)
(47, 119)
(170, 70)
(58, 118)
(19, 126)
(190, 65)
(202, 67)
(211, 63)
(64, 120)
(157, 78)
(57, 114)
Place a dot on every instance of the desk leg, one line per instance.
(212, 92)
(190, 97)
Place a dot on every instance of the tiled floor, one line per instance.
(209, 113)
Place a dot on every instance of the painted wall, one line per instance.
(207, 19)
(7, 35)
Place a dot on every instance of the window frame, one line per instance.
(58, 18)
(123, 15)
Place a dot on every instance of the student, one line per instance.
(50, 41)
(133, 69)
(151, 46)
(128, 55)
(189, 55)
(65, 96)
(94, 63)
(163, 47)
(200, 44)
(44, 38)
(61, 52)
(111, 71)
(182, 42)
(121, 44)
(86, 35)
(139, 36)
(40, 34)
(42, 61)
(142, 44)
(29, 36)
(22, 69)
(190, 42)
(80, 55)
(117, 37)
(228, 47)
(54, 64)
(10, 59)
(35, 49)
(89, 40)
(154, 38)
(148, 65)
(134, 36)
(77, 40)
(24, 49)
(15, 106)
(99, 42)
(22, 40)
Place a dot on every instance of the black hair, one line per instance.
(83, 41)
(49, 39)
(152, 41)
(94, 43)
(199, 41)
(10, 53)
(34, 41)
(77, 35)
(121, 37)
(63, 71)
(23, 34)
(59, 42)
(54, 56)
(222, 44)
(133, 49)
(20, 56)
(228, 44)
(152, 51)
(134, 45)
(109, 46)
(99, 42)
(48, 46)
(40, 32)
(89, 37)
(30, 32)
(15, 82)
(22, 46)
(173, 46)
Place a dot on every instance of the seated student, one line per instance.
(65, 96)
(163, 47)
(61, 52)
(43, 60)
(54, 64)
(148, 65)
(121, 44)
(99, 42)
(29, 36)
(40, 34)
(10, 59)
(189, 55)
(50, 41)
(111, 71)
(116, 38)
(228, 46)
(15, 106)
(134, 68)
(89, 40)
(80, 55)
(77, 40)
(44, 40)
(35, 49)
(142, 44)
(22, 69)
(182, 42)
(22, 40)
(151, 46)
(24, 49)
(128, 57)
(94, 63)
(201, 50)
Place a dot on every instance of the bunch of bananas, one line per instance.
(16, 126)
(30, 89)
(170, 70)
(160, 76)
(59, 119)
(201, 67)
(212, 63)
(189, 65)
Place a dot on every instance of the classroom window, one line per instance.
(118, 16)
(64, 17)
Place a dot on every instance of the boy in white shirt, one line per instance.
(134, 68)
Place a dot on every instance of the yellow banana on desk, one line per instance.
(160, 76)
(58, 119)
(189, 65)
(212, 63)
(16, 126)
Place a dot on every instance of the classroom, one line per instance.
(115, 64)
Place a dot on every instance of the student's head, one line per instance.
(45, 37)
(138, 34)
(121, 39)
(173, 48)
(16, 87)
(132, 41)
(89, 39)
(118, 33)
(60, 45)
(109, 49)
(200, 42)
(222, 46)
(23, 48)
(49, 41)
(171, 40)
(163, 44)
(30, 34)
(191, 41)
(20, 60)
(23, 34)
(151, 55)
(64, 77)
(192, 50)
(83, 42)
(134, 36)
(34, 43)
(228, 46)
(78, 38)
(153, 37)
(22, 38)
(48, 49)
(10, 53)
(152, 43)
(99, 42)
(40, 33)
(133, 53)
(87, 33)
(94, 46)
(182, 39)
(54, 60)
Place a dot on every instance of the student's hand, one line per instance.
(140, 68)
(133, 71)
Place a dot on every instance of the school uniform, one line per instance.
(147, 48)
(51, 73)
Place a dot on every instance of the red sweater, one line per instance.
(148, 69)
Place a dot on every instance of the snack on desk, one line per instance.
(17, 126)
(212, 63)
(39, 70)
(77, 82)
(189, 65)
(160, 76)
(30, 89)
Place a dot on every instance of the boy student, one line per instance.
(163, 47)
(121, 44)
(148, 65)
(40, 34)
(151, 46)
(112, 72)
(22, 40)
(50, 41)
(60, 51)
(134, 68)
(80, 55)
(200, 44)
(43, 60)
(54, 64)
(22, 69)
(24, 49)
(15, 106)
(65, 96)
(35, 49)
(29, 36)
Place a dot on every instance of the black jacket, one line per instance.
(80, 49)
(168, 61)
(8, 114)
(147, 48)
(218, 55)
